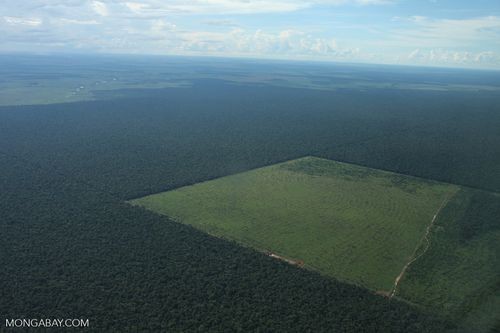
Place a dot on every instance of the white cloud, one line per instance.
(357, 2)
(159, 8)
(415, 54)
(145, 9)
(449, 57)
(354, 2)
(427, 32)
(376, 2)
(221, 23)
(286, 43)
(155, 8)
(32, 22)
(78, 22)
(100, 8)
(469, 42)
(135, 7)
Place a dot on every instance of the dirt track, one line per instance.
(298, 263)
(425, 239)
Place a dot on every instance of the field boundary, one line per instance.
(425, 239)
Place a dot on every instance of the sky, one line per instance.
(450, 33)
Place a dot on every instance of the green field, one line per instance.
(353, 223)
(459, 274)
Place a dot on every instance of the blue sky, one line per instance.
(456, 33)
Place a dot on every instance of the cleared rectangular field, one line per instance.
(353, 223)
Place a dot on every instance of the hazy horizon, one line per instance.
(263, 60)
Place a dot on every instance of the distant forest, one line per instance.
(71, 247)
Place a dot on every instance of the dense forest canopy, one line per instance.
(161, 139)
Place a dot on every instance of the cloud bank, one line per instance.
(250, 28)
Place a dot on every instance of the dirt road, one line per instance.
(425, 239)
